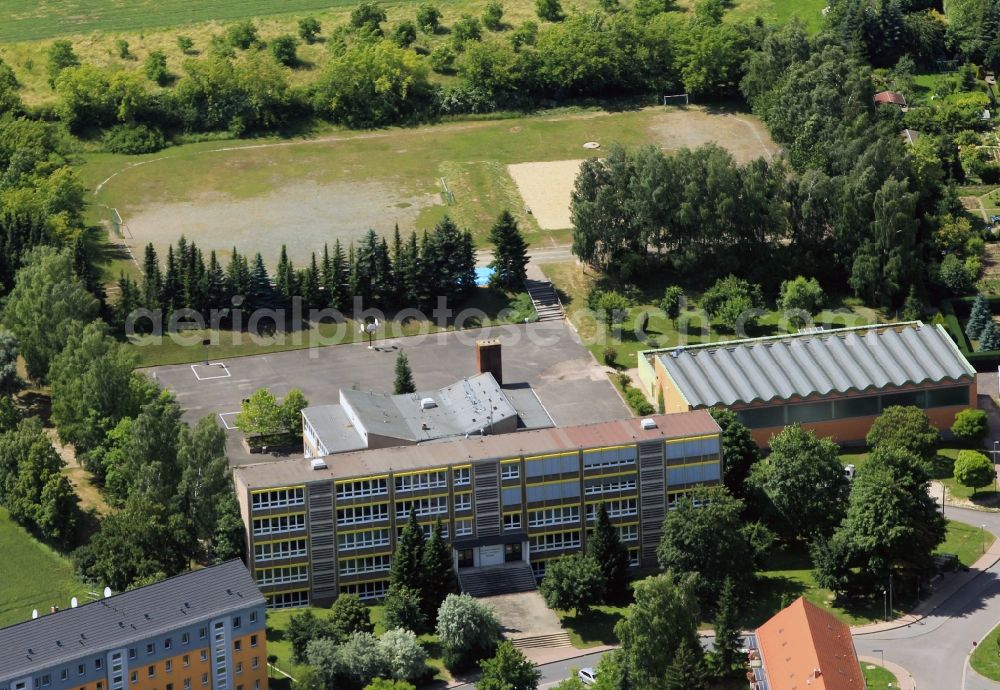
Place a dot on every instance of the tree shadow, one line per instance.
(596, 626)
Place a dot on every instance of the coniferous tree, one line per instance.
(310, 284)
(979, 316)
(383, 291)
(424, 273)
(438, 572)
(407, 272)
(152, 284)
(687, 670)
(510, 254)
(286, 278)
(258, 284)
(467, 266)
(129, 299)
(726, 650)
(238, 276)
(172, 288)
(335, 278)
(989, 339)
(352, 276)
(215, 283)
(398, 269)
(913, 310)
(407, 559)
(611, 555)
(404, 376)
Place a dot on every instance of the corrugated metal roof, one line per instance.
(402, 458)
(836, 361)
(118, 620)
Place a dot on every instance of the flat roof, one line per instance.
(403, 458)
(800, 365)
(333, 429)
(59, 638)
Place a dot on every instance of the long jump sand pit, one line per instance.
(546, 189)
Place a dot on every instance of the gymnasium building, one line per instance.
(510, 502)
(834, 382)
(203, 630)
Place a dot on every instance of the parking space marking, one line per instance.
(225, 422)
(225, 369)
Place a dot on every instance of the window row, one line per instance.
(278, 524)
(564, 463)
(287, 600)
(366, 590)
(278, 498)
(292, 548)
(369, 564)
(368, 513)
(693, 450)
(427, 529)
(553, 492)
(606, 486)
(555, 541)
(560, 515)
(362, 487)
(693, 474)
(609, 457)
(433, 505)
(621, 508)
(422, 480)
(366, 539)
(674, 497)
(283, 575)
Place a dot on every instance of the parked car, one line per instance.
(587, 675)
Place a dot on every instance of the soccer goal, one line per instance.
(119, 226)
(676, 99)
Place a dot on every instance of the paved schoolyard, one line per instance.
(573, 388)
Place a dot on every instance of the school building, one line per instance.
(203, 630)
(512, 501)
(834, 382)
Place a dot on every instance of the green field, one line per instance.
(986, 659)
(780, 11)
(38, 579)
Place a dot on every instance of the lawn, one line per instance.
(780, 11)
(39, 577)
(596, 627)
(573, 281)
(965, 541)
(986, 659)
(944, 471)
(877, 677)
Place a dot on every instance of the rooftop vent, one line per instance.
(648, 424)
(427, 403)
(318, 464)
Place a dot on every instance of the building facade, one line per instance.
(529, 496)
(835, 383)
(204, 630)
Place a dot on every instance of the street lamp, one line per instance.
(885, 604)
(882, 652)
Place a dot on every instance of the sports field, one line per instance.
(260, 195)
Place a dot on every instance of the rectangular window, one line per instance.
(272, 551)
(948, 397)
(462, 476)
(203, 655)
(553, 491)
(253, 617)
(237, 645)
(368, 564)
(355, 514)
(168, 643)
(168, 665)
(187, 684)
(625, 507)
(98, 663)
(510, 470)
(363, 487)
(64, 674)
(622, 456)
(46, 680)
(633, 558)
(150, 648)
(907, 399)
(170, 686)
(366, 590)
(562, 515)
(628, 532)
(204, 679)
(253, 640)
(186, 660)
(278, 524)
(202, 633)
(606, 486)
(287, 600)
(278, 498)
(133, 677)
(463, 528)
(185, 638)
(422, 480)
(435, 505)
(511, 496)
(463, 501)
(255, 662)
(348, 541)
(811, 412)
(856, 407)
(239, 667)
(80, 669)
(555, 541)
(151, 672)
(131, 652)
(512, 522)
(237, 622)
(763, 417)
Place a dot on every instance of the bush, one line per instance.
(466, 29)
(974, 470)
(612, 307)
(549, 10)
(428, 18)
(955, 275)
(242, 35)
(185, 43)
(283, 48)
(637, 401)
(132, 139)
(970, 426)
(610, 356)
(121, 47)
(493, 15)
(802, 297)
(468, 630)
(309, 28)
(442, 59)
(368, 15)
(156, 68)
(404, 34)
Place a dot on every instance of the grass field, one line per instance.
(38, 577)
(986, 659)
(305, 192)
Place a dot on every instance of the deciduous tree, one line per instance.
(572, 582)
(739, 450)
(468, 630)
(974, 470)
(905, 427)
(509, 669)
(402, 609)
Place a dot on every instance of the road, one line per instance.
(935, 650)
(538, 254)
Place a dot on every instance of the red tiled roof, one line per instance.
(804, 647)
(890, 97)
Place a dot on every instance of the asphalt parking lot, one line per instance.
(573, 388)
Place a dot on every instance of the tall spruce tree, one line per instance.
(129, 299)
(286, 278)
(335, 278)
(726, 650)
(398, 269)
(404, 376)
(611, 555)
(258, 292)
(310, 284)
(510, 254)
(989, 339)
(438, 573)
(238, 276)
(407, 559)
(172, 287)
(152, 283)
(216, 283)
(979, 316)
(687, 670)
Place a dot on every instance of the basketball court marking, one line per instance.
(225, 422)
(214, 368)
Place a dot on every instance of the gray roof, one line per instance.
(118, 620)
(335, 431)
(834, 361)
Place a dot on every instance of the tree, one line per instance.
(970, 427)
(291, 410)
(974, 470)
(803, 483)
(509, 669)
(405, 658)
(955, 275)
(10, 380)
(205, 480)
(362, 659)
(260, 415)
(369, 16)
(989, 339)
(386, 684)
(739, 450)
(402, 609)
(47, 304)
(303, 628)
(573, 582)
(904, 427)
(510, 254)
(404, 376)
(671, 302)
(687, 669)
(606, 548)
(283, 48)
(242, 35)
(704, 535)
(664, 617)
(156, 68)
(121, 45)
(549, 10)
(185, 43)
(802, 298)
(437, 571)
(325, 657)
(349, 615)
(468, 631)
(493, 15)
(407, 559)
(404, 34)
(913, 308)
(428, 18)
(228, 539)
(464, 30)
(731, 297)
(309, 28)
(728, 638)
(60, 56)
(979, 317)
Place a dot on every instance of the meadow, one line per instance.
(42, 578)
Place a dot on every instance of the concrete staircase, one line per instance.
(543, 295)
(543, 641)
(508, 578)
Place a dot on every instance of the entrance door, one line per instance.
(512, 552)
(465, 558)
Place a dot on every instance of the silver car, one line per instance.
(587, 675)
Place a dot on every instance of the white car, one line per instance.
(587, 675)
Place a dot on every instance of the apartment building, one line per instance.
(316, 530)
(203, 630)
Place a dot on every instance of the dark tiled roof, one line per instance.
(120, 619)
